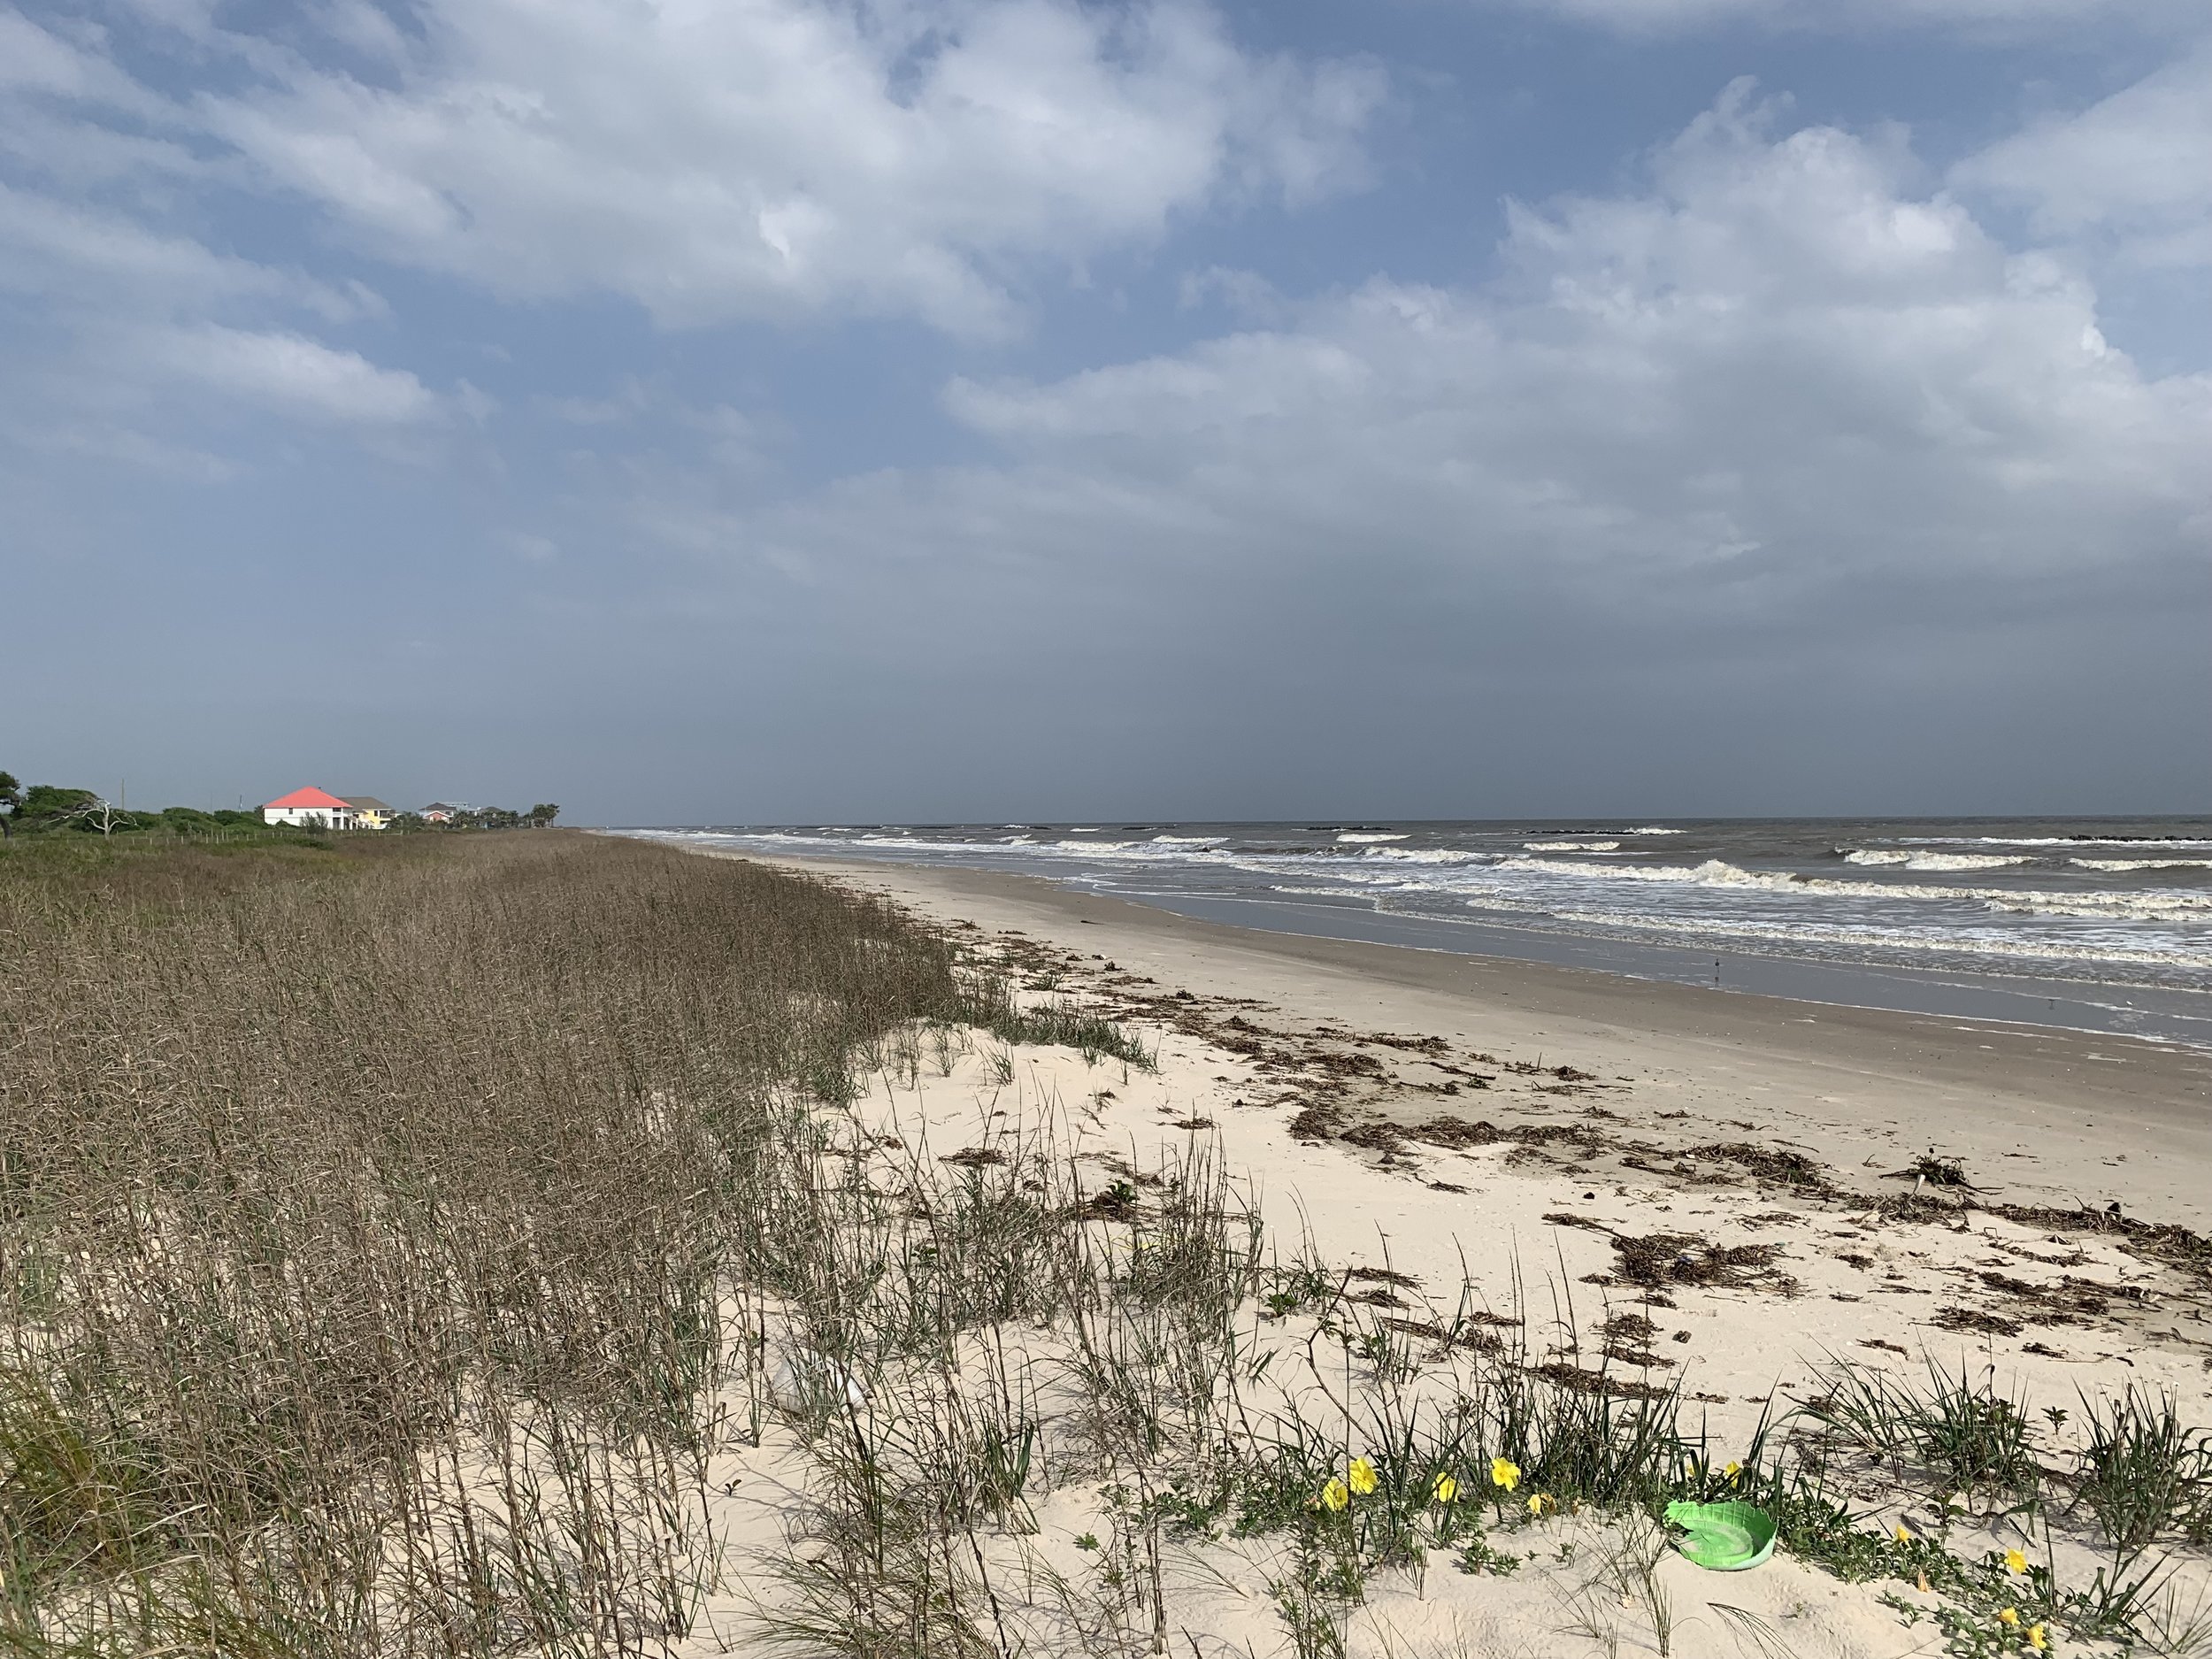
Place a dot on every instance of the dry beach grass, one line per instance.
(532, 1244)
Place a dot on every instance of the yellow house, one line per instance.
(369, 812)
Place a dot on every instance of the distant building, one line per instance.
(369, 812)
(439, 812)
(310, 809)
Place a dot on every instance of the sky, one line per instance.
(862, 410)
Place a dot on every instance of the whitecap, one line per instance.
(1350, 835)
(2142, 863)
(1936, 861)
(1572, 847)
(2051, 840)
(2140, 906)
(1712, 872)
(1423, 855)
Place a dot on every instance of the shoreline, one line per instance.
(2118, 1010)
(1957, 980)
(2036, 1114)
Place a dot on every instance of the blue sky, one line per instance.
(769, 409)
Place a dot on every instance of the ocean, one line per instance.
(2098, 924)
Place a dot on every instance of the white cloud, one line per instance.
(2135, 169)
(291, 373)
(1988, 15)
(1782, 387)
(713, 160)
(75, 255)
(530, 547)
(127, 309)
(33, 59)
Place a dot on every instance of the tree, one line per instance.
(104, 817)
(11, 804)
(542, 814)
(50, 806)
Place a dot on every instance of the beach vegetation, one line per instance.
(1055, 1023)
(2141, 1473)
(430, 1297)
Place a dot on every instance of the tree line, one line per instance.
(539, 817)
(47, 808)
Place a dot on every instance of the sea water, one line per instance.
(2103, 924)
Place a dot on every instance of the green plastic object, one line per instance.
(1725, 1537)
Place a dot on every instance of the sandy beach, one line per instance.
(1451, 1129)
(2038, 1116)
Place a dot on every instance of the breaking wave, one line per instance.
(1936, 861)
(2051, 840)
(2142, 863)
(1714, 873)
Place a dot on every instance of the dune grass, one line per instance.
(367, 1214)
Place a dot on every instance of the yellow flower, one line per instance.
(1363, 1475)
(1504, 1472)
(1444, 1489)
(2015, 1562)
(1904, 1533)
(1733, 1471)
(2009, 1617)
(1333, 1495)
(2035, 1638)
(1538, 1503)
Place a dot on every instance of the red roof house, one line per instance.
(315, 808)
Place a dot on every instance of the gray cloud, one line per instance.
(1777, 479)
(1779, 485)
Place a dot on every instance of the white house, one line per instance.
(311, 808)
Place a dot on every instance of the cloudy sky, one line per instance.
(853, 410)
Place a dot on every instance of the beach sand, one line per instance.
(2037, 1115)
(1528, 1135)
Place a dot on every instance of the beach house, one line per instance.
(439, 812)
(369, 812)
(310, 809)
